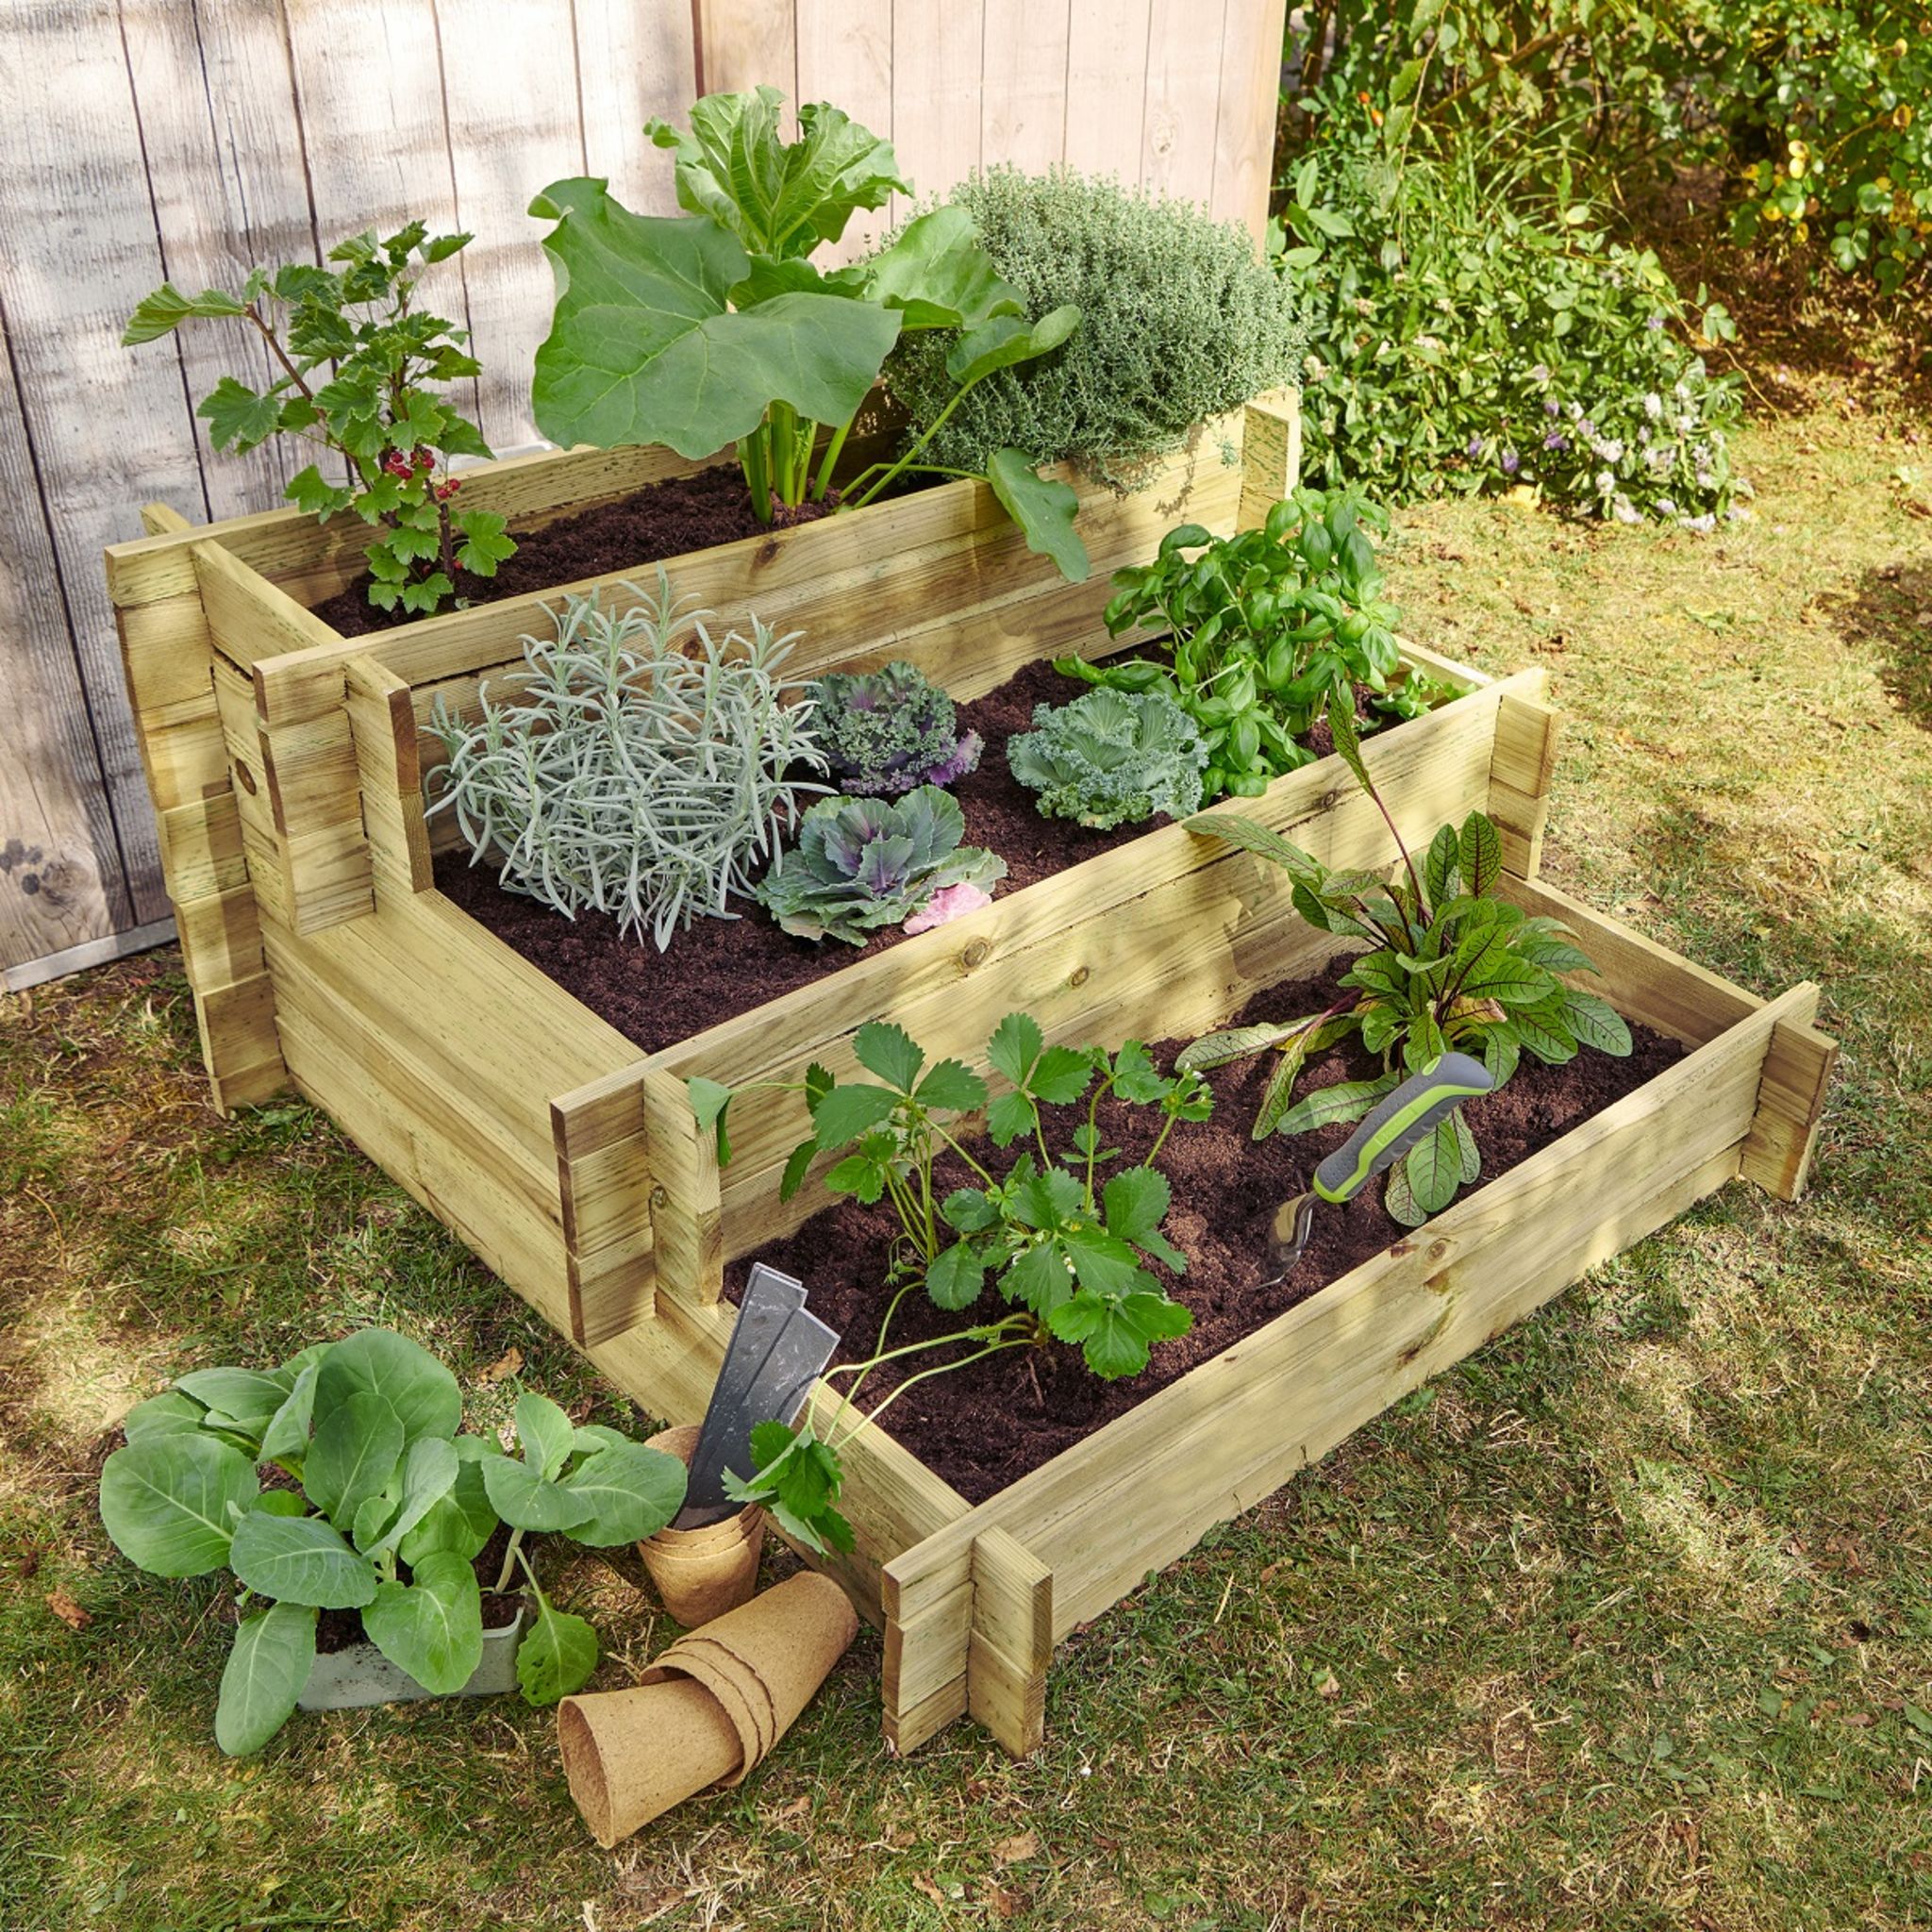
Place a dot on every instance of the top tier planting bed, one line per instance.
(287, 770)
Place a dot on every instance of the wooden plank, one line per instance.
(368, 82)
(1791, 1104)
(108, 428)
(604, 1175)
(1023, 114)
(382, 725)
(61, 881)
(633, 63)
(1270, 454)
(746, 43)
(686, 1215)
(1180, 108)
(1519, 776)
(1012, 1641)
(1107, 84)
(240, 1044)
(936, 91)
(846, 57)
(510, 73)
(219, 129)
(1250, 89)
(928, 1654)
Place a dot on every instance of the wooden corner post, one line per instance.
(1520, 767)
(167, 655)
(1790, 1103)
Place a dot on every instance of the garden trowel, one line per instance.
(1398, 1121)
(776, 1352)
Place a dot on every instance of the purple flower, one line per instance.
(1540, 372)
(1474, 448)
(1653, 322)
(1553, 408)
(1555, 440)
(1511, 462)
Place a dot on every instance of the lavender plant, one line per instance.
(642, 768)
(863, 864)
(887, 731)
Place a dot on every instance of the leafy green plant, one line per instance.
(1448, 964)
(1181, 323)
(863, 864)
(1264, 625)
(713, 327)
(1476, 327)
(379, 411)
(1112, 757)
(1065, 1234)
(887, 731)
(374, 1503)
(640, 767)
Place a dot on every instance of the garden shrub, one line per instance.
(1179, 322)
(1471, 331)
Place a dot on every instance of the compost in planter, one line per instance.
(719, 968)
(668, 519)
(993, 1423)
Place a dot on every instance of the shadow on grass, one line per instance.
(1889, 610)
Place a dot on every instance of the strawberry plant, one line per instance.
(378, 411)
(1448, 964)
(1065, 1233)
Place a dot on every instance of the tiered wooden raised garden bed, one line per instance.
(287, 766)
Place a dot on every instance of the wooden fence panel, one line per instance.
(194, 142)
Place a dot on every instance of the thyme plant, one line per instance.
(642, 768)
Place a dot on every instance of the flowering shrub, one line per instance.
(1470, 335)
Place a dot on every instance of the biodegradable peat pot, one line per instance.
(701, 1574)
(360, 1674)
(286, 766)
(709, 1711)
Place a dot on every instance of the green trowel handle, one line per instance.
(1398, 1121)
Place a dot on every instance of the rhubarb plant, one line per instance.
(1448, 963)
(360, 374)
(342, 1481)
(713, 327)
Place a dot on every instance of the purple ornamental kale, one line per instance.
(888, 732)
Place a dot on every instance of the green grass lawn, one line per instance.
(1627, 1622)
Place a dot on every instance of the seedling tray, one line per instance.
(287, 767)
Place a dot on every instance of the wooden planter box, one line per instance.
(287, 771)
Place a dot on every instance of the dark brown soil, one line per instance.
(338, 1630)
(665, 519)
(719, 968)
(994, 1421)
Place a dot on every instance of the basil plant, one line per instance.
(712, 327)
(373, 1502)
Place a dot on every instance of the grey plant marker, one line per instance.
(778, 1350)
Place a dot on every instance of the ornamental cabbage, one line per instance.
(862, 863)
(887, 731)
(1112, 758)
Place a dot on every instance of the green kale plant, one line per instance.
(1181, 321)
(1449, 964)
(378, 411)
(713, 327)
(1065, 1234)
(863, 864)
(887, 731)
(375, 1503)
(1112, 757)
(1265, 625)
